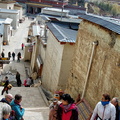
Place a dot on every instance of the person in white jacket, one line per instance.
(104, 110)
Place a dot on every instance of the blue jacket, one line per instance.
(19, 112)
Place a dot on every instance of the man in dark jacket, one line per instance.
(8, 98)
(114, 101)
(18, 79)
(13, 55)
(5, 86)
(19, 56)
(3, 54)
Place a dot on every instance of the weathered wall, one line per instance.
(34, 55)
(104, 74)
(42, 51)
(66, 65)
(52, 63)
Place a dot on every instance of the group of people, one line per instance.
(12, 55)
(65, 108)
(27, 82)
(106, 109)
(10, 107)
(7, 86)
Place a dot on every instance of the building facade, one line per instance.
(52, 52)
(96, 62)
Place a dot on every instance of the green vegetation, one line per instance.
(113, 9)
(77, 2)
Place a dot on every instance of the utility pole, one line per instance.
(62, 12)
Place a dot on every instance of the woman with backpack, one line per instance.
(67, 110)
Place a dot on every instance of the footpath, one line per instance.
(33, 98)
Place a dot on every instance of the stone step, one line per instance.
(33, 102)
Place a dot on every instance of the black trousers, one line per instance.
(4, 89)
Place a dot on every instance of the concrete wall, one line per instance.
(7, 6)
(66, 65)
(15, 18)
(20, 11)
(34, 54)
(52, 63)
(104, 74)
(6, 34)
(42, 51)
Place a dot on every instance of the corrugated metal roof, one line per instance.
(62, 32)
(8, 10)
(68, 19)
(104, 23)
(45, 18)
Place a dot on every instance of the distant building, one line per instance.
(12, 5)
(13, 14)
(7, 30)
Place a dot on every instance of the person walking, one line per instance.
(104, 110)
(5, 86)
(22, 45)
(9, 55)
(114, 101)
(19, 110)
(67, 110)
(3, 54)
(13, 55)
(18, 79)
(18, 56)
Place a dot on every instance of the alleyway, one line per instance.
(33, 102)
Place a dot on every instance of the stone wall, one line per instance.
(104, 73)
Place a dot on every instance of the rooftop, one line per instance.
(63, 32)
(8, 11)
(69, 19)
(103, 21)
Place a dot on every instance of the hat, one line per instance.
(55, 100)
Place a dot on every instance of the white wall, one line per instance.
(6, 35)
(7, 6)
(15, 18)
(20, 11)
(52, 63)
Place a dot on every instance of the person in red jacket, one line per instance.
(22, 45)
(67, 110)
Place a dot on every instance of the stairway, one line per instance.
(32, 101)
